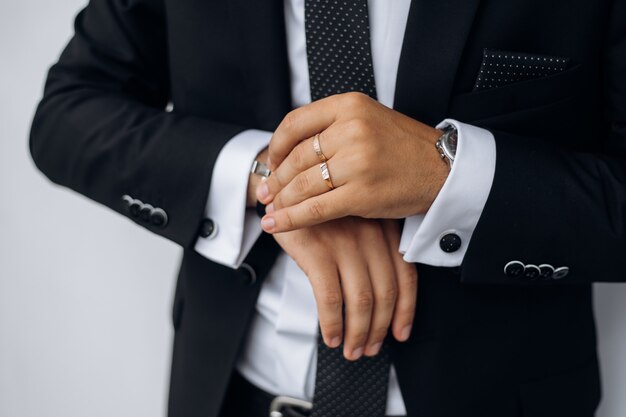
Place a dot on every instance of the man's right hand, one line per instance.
(355, 261)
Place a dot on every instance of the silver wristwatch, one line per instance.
(446, 145)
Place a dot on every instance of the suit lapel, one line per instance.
(261, 30)
(433, 43)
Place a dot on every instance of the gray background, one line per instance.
(85, 295)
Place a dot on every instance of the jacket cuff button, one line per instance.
(135, 208)
(158, 217)
(127, 201)
(146, 212)
(560, 273)
(514, 269)
(546, 271)
(532, 271)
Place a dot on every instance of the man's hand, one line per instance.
(383, 164)
(355, 262)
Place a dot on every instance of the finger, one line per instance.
(315, 210)
(407, 279)
(384, 285)
(308, 120)
(302, 157)
(359, 302)
(307, 184)
(324, 279)
(299, 159)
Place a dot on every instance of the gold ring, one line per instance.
(318, 148)
(326, 175)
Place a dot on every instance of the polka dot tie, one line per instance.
(340, 60)
(338, 47)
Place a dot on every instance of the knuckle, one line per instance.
(289, 121)
(316, 210)
(364, 301)
(388, 297)
(301, 184)
(358, 127)
(355, 98)
(332, 300)
(297, 156)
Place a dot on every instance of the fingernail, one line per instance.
(335, 342)
(406, 332)
(262, 191)
(356, 353)
(372, 350)
(268, 223)
(269, 208)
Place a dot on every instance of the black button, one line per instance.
(546, 271)
(158, 217)
(135, 207)
(450, 243)
(532, 271)
(514, 269)
(208, 228)
(248, 273)
(145, 212)
(560, 272)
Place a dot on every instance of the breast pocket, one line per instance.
(523, 95)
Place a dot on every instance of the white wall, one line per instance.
(84, 294)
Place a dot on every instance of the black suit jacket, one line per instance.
(483, 344)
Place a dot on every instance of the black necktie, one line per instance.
(340, 60)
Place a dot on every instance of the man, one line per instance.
(507, 230)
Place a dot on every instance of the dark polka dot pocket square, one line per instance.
(500, 68)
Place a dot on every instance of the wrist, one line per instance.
(437, 169)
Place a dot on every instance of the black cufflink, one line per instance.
(208, 228)
(450, 243)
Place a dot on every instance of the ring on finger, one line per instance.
(326, 175)
(318, 148)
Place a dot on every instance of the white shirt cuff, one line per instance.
(236, 228)
(458, 205)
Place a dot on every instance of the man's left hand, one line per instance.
(382, 164)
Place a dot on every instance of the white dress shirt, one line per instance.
(279, 355)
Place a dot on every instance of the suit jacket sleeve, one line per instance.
(559, 207)
(102, 130)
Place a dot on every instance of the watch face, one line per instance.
(450, 143)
